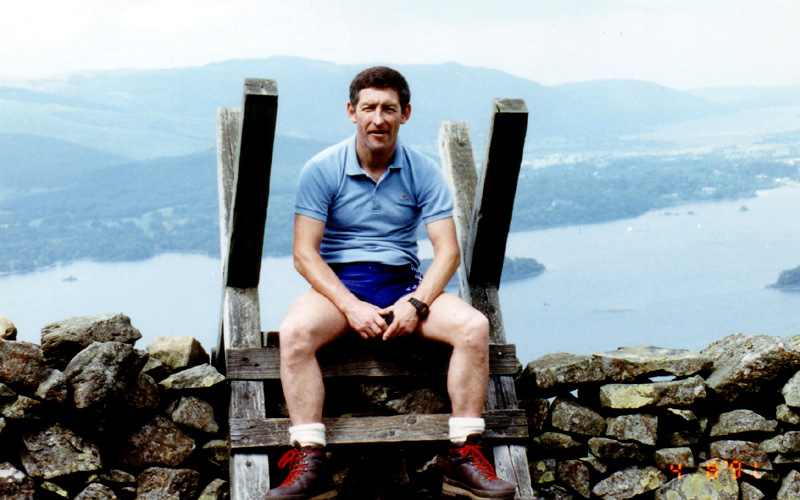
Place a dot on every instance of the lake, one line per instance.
(679, 278)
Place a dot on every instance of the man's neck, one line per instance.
(373, 165)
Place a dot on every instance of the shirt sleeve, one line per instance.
(314, 195)
(435, 198)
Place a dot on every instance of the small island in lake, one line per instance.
(788, 280)
(514, 268)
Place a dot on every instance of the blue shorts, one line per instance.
(378, 284)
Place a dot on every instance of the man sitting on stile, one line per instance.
(358, 207)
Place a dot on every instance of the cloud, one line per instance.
(680, 43)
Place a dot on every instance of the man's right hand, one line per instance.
(365, 319)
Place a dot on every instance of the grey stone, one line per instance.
(628, 363)
(563, 369)
(790, 443)
(2, 425)
(543, 471)
(552, 492)
(781, 459)
(425, 401)
(638, 427)
(555, 442)
(701, 486)
(791, 391)
(672, 393)
(749, 492)
(6, 391)
(22, 407)
(157, 442)
(536, 412)
(7, 329)
(790, 487)
(54, 489)
(178, 352)
(157, 483)
(144, 392)
(771, 445)
(57, 451)
(739, 421)
(100, 373)
(217, 489)
(569, 416)
(157, 368)
(629, 482)
(195, 413)
(786, 415)
(743, 364)
(21, 365)
(53, 387)
(576, 476)
(216, 452)
(15, 484)
(197, 377)
(611, 449)
(96, 491)
(674, 459)
(745, 452)
(64, 339)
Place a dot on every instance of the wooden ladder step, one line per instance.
(500, 424)
(264, 363)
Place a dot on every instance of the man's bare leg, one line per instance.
(467, 471)
(312, 322)
(454, 322)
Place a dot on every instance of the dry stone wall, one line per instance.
(86, 415)
(662, 424)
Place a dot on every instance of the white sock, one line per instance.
(307, 435)
(461, 427)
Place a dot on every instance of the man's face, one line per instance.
(378, 117)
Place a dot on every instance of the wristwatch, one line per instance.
(421, 307)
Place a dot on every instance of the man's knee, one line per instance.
(296, 339)
(475, 332)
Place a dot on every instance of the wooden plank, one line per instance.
(242, 318)
(228, 126)
(251, 184)
(497, 186)
(228, 129)
(248, 433)
(264, 363)
(249, 472)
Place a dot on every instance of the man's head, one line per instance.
(380, 77)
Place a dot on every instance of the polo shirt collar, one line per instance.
(353, 168)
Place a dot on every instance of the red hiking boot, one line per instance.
(308, 477)
(468, 473)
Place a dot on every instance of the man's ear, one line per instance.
(406, 114)
(351, 111)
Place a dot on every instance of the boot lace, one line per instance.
(297, 461)
(475, 455)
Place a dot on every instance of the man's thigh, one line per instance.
(449, 316)
(313, 318)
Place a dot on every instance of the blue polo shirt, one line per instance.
(369, 221)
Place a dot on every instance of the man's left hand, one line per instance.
(404, 322)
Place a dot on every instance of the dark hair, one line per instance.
(380, 77)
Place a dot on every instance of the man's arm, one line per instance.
(446, 259)
(364, 318)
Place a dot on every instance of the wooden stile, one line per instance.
(483, 209)
(482, 212)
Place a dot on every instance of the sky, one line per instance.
(681, 44)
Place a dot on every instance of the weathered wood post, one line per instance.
(244, 146)
(483, 209)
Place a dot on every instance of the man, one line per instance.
(358, 207)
